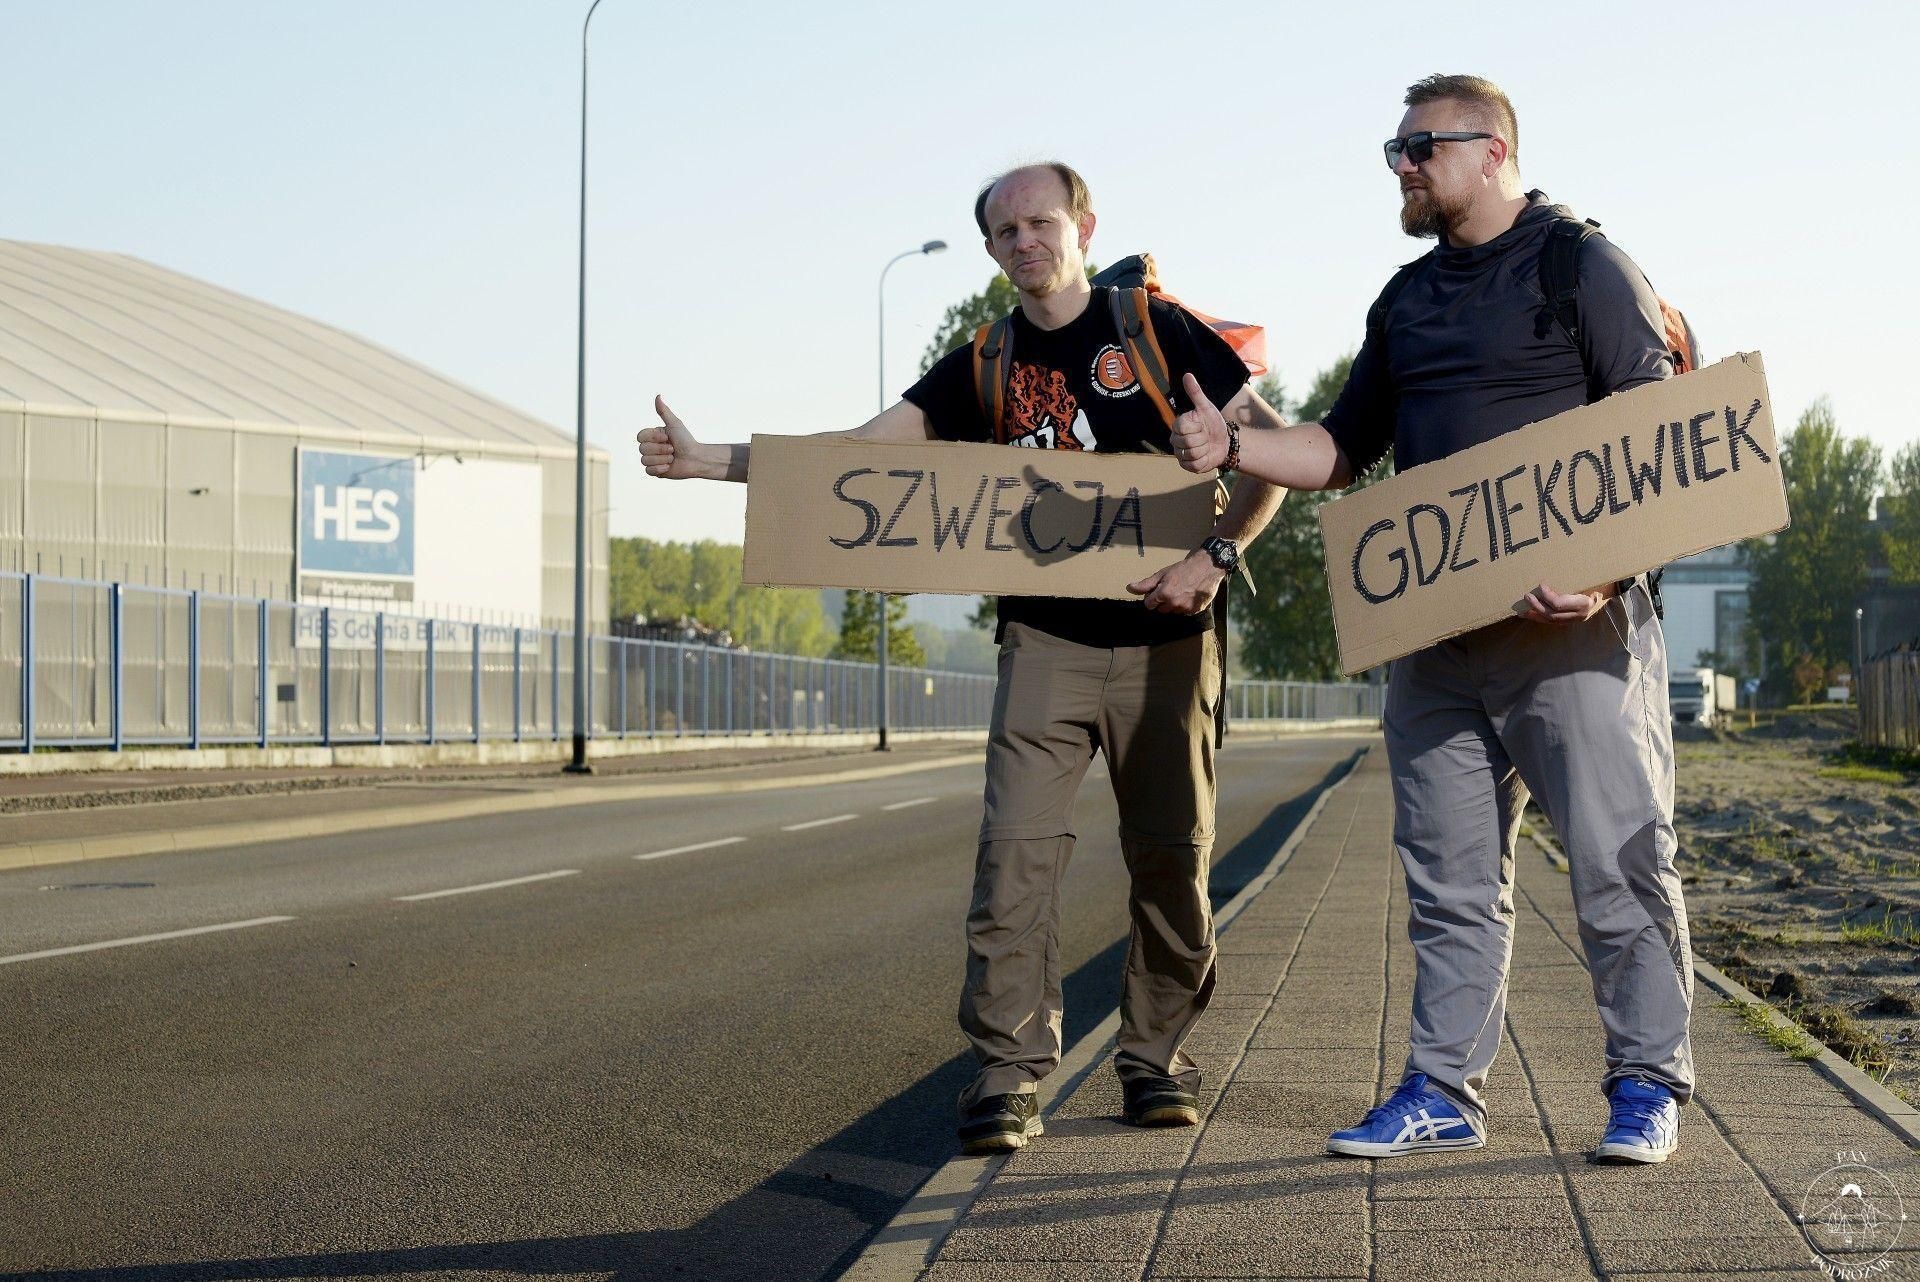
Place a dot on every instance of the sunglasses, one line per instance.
(1419, 147)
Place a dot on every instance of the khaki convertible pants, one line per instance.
(1150, 709)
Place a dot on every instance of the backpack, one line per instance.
(1560, 287)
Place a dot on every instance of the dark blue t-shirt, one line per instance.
(1470, 350)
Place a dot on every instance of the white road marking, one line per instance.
(687, 850)
(141, 939)
(489, 885)
(818, 823)
(906, 805)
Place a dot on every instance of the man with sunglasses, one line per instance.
(1567, 702)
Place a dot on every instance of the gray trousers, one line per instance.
(1150, 710)
(1577, 716)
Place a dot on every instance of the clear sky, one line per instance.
(408, 171)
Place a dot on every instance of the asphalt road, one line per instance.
(729, 1062)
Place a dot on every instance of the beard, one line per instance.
(1427, 215)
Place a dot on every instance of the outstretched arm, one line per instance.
(672, 451)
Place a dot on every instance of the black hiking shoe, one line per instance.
(1160, 1101)
(1000, 1123)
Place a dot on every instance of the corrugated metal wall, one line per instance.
(165, 504)
(556, 541)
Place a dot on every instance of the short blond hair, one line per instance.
(1490, 108)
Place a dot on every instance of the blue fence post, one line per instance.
(516, 684)
(731, 655)
(26, 664)
(193, 668)
(476, 683)
(326, 676)
(266, 673)
(753, 709)
(380, 677)
(430, 670)
(621, 649)
(653, 690)
(554, 702)
(679, 688)
(118, 687)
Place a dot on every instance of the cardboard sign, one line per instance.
(943, 517)
(1597, 494)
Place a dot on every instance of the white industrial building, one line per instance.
(155, 429)
(1705, 598)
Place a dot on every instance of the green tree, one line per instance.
(860, 635)
(965, 318)
(1901, 507)
(1805, 578)
(1287, 630)
(701, 581)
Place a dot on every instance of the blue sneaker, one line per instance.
(1416, 1118)
(1644, 1125)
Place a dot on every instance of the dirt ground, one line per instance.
(1802, 873)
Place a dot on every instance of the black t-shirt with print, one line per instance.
(1071, 389)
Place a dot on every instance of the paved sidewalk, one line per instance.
(1309, 1022)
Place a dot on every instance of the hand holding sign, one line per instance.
(670, 449)
(1200, 434)
(1186, 587)
(1544, 605)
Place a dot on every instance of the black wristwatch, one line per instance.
(1224, 553)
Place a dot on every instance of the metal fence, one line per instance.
(1889, 697)
(110, 665)
(1304, 700)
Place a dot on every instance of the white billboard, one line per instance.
(473, 526)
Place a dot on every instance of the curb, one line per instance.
(216, 836)
(502, 752)
(1288, 729)
(903, 1250)
(488, 752)
(1895, 1113)
(1886, 1107)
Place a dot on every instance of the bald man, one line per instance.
(1137, 680)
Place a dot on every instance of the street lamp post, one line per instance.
(1859, 655)
(578, 764)
(880, 600)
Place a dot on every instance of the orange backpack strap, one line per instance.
(992, 367)
(1131, 319)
